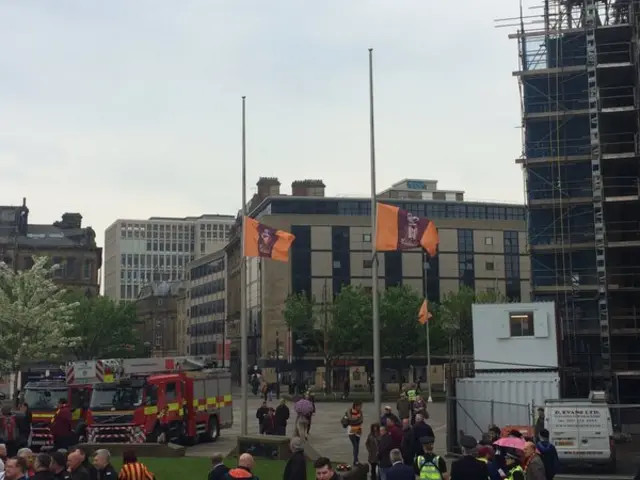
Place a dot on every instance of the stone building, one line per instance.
(66, 242)
(157, 306)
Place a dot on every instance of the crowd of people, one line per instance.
(76, 464)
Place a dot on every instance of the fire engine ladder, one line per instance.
(590, 23)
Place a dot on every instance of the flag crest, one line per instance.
(266, 242)
(398, 229)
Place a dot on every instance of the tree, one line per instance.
(331, 330)
(104, 328)
(454, 315)
(399, 327)
(34, 315)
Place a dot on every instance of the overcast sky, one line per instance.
(132, 108)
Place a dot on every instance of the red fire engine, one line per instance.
(144, 399)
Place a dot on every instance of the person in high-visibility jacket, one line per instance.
(515, 470)
(428, 465)
(485, 455)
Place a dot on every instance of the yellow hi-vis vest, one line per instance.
(412, 395)
(428, 468)
(514, 470)
(483, 460)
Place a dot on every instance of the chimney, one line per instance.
(268, 187)
(307, 188)
(71, 220)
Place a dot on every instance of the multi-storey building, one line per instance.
(158, 306)
(206, 304)
(158, 249)
(579, 81)
(482, 245)
(66, 242)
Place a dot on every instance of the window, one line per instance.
(367, 263)
(171, 393)
(336, 264)
(488, 240)
(521, 324)
(151, 395)
(86, 270)
(366, 237)
(489, 266)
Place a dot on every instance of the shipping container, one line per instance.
(502, 399)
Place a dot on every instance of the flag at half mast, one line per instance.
(266, 242)
(424, 315)
(398, 229)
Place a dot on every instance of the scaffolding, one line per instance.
(578, 78)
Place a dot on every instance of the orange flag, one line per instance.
(267, 242)
(424, 315)
(398, 229)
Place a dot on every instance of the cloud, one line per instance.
(132, 109)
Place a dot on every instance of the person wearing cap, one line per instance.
(514, 470)
(469, 467)
(428, 465)
(389, 415)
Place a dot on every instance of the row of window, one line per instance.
(208, 308)
(213, 327)
(160, 246)
(70, 268)
(175, 232)
(152, 260)
(208, 288)
(142, 276)
(216, 266)
(429, 209)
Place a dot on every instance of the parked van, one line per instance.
(582, 430)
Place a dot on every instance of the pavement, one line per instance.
(329, 439)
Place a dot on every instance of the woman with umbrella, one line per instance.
(304, 409)
(511, 449)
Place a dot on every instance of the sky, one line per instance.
(132, 108)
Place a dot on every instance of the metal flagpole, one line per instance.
(426, 326)
(377, 362)
(244, 360)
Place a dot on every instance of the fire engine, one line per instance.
(137, 400)
(43, 396)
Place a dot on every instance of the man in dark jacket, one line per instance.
(102, 468)
(59, 466)
(398, 470)
(261, 413)
(282, 417)
(422, 429)
(469, 467)
(218, 468)
(408, 446)
(296, 467)
(548, 453)
(41, 466)
(404, 407)
(385, 445)
(76, 465)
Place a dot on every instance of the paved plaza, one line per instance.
(327, 436)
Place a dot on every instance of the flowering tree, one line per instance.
(34, 316)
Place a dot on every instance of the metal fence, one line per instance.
(475, 417)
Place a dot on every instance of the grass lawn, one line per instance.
(193, 468)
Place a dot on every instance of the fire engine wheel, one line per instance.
(213, 429)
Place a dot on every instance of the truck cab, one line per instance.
(43, 397)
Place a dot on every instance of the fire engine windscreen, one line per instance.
(44, 398)
(107, 397)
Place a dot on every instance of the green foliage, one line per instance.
(454, 316)
(104, 328)
(351, 324)
(299, 314)
(34, 315)
(400, 331)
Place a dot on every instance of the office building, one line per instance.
(158, 249)
(579, 81)
(206, 305)
(66, 242)
(483, 245)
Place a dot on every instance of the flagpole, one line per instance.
(377, 361)
(426, 326)
(244, 360)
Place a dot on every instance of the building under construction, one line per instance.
(579, 71)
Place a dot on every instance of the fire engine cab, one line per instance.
(139, 400)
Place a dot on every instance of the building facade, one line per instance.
(580, 97)
(481, 245)
(158, 249)
(206, 305)
(157, 306)
(66, 242)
